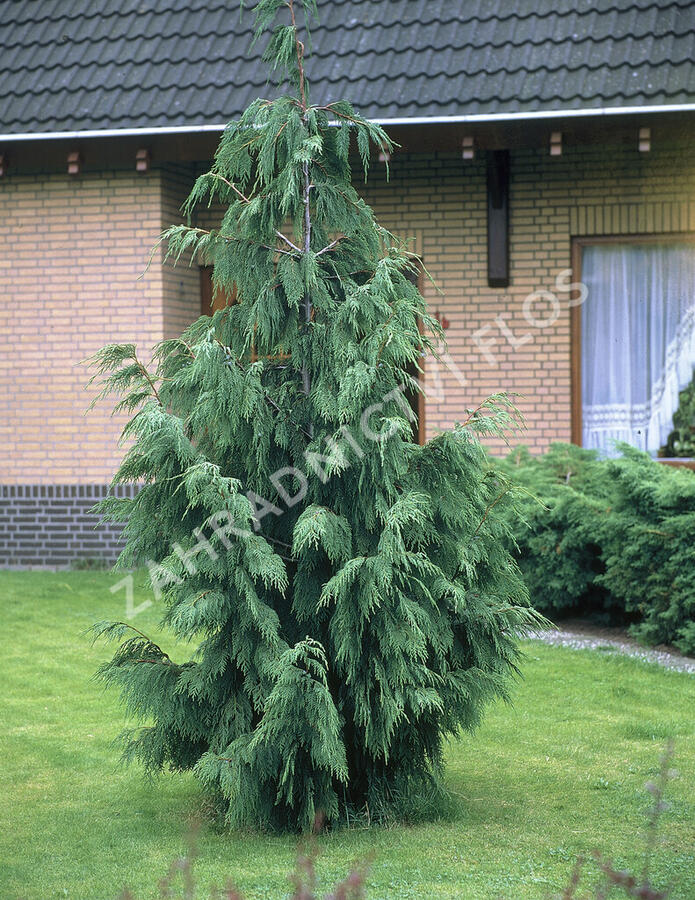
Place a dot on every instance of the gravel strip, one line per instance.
(584, 640)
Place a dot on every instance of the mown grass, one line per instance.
(560, 772)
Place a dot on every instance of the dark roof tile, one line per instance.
(77, 65)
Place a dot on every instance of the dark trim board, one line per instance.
(498, 177)
(51, 526)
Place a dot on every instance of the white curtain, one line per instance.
(638, 341)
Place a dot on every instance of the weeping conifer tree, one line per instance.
(347, 590)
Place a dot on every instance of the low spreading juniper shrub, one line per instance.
(611, 536)
(555, 524)
(649, 548)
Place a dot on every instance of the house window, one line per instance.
(633, 339)
(208, 303)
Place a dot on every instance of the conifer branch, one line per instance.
(273, 405)
(230, 184)
(188, 347)
(150, 382)
(385, 341)
(154, 661)
(473, 414)
(165, 656)
(246, 199)
(230, 239)
(300, 54)
(288, 241)
(489, 508)
(289, 418)
(341, 193)
(330, 246)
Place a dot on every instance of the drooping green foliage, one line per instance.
(681, 441)
(348, 591)
(613, 536)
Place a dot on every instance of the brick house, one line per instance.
(542, 144)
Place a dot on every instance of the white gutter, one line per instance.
(539, 114)
(110, 132)
(471, 118)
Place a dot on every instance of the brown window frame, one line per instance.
(417, 400)
(577, 244)
(207, 308)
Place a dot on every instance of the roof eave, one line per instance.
(481, 118)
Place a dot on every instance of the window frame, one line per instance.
(417, 400)
(577, 245)
(207, 291)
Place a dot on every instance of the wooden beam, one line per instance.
(209, 301)
(74, 163)
(416, 399)
(677, 462)
(498, 218)
(142, 160)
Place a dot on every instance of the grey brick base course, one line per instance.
(50, 526)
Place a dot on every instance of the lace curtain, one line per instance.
(638, 341)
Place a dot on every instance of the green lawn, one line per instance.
(558, 773)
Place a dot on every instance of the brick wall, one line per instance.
(69, 285)
(50, 526)
(78, 246)
(498, 340)
(441, 201)
(180, 281)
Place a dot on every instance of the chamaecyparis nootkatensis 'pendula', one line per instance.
(348, 592)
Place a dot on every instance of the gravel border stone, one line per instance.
(613, 640)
